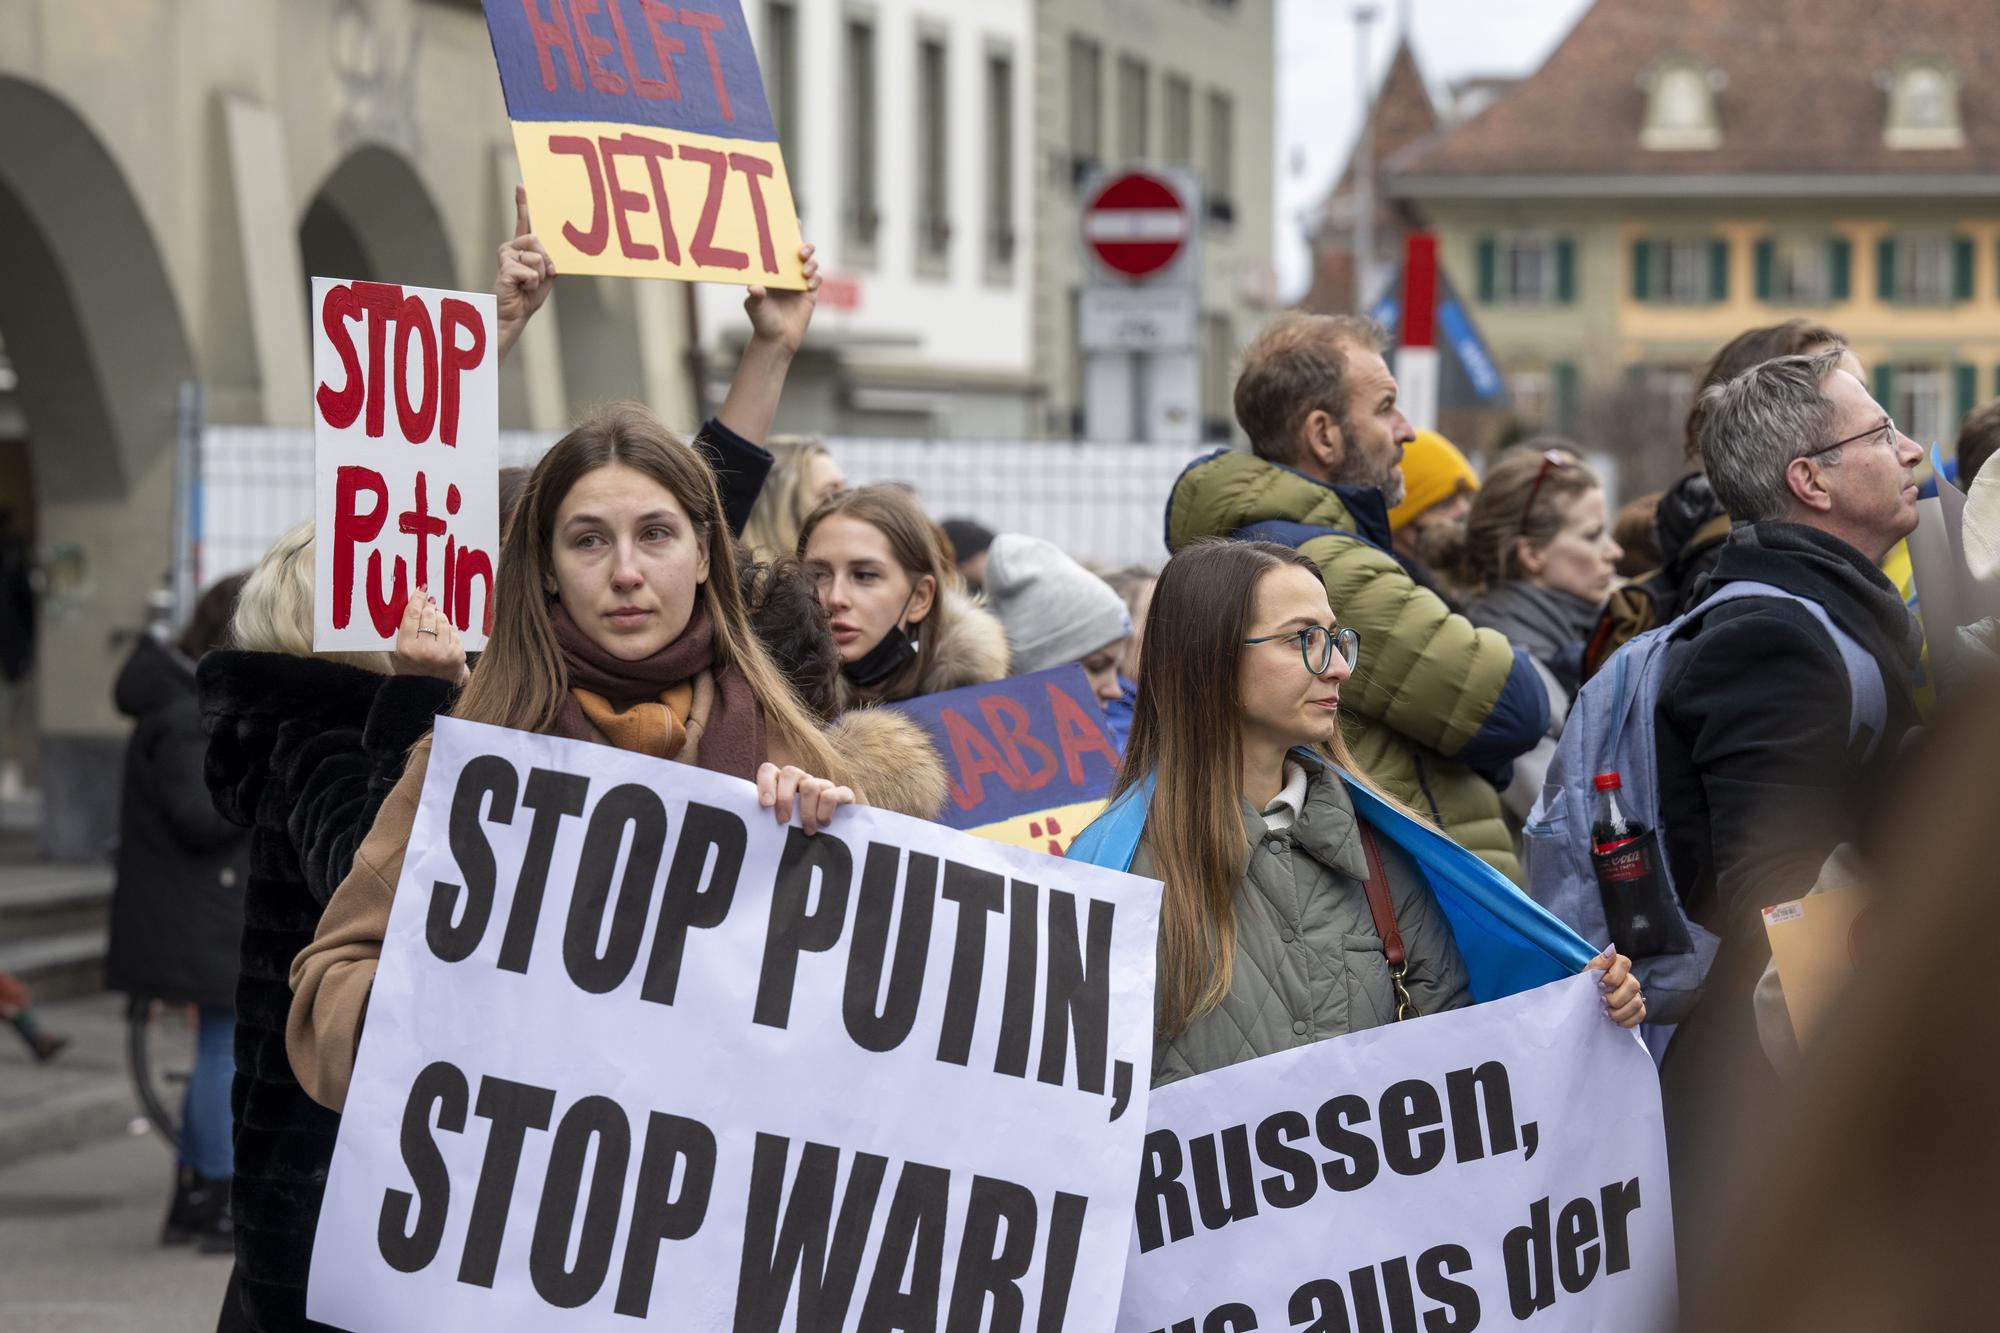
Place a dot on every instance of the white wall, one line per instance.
(907, 324)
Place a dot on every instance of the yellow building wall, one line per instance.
(1967, 332)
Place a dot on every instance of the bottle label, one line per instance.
(1623, 859)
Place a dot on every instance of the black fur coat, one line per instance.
(301, 751)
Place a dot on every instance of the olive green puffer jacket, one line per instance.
(1428, 680)
(1308, 961)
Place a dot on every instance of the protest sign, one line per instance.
(1030, 759)
(1474, 1169)
(635, 1049)
(406, 459)
(670, 96)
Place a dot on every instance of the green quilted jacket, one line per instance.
(1309, 961)
(1428, 679)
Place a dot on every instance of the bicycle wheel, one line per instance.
(159, 1051)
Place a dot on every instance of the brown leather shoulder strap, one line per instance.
(1379, 906)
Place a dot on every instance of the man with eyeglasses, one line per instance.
(1437, 710)
(1760, 767)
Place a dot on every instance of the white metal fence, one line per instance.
(1103, 503)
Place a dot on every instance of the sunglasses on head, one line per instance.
(1552, 460)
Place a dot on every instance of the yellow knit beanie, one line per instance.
(1433, 471)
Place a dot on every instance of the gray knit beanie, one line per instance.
(1053, 609)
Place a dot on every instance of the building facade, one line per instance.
(171, 174)
(937, 149)
(907, 126)
(1677, 173)
(1138, 83)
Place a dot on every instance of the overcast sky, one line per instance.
(1319, 106)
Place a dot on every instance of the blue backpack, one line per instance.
(1610, 729)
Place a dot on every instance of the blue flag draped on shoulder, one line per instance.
(1510, 943)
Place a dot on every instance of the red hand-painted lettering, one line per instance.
(703, 250)
(649, 88)
(416, 420)
(351, 528)
(340, 409)
(756, 170)
(605, 80)
(590, 242)
(1079, 733)
(624, 201)
(708, 25)
(458, 359)
(1009, 721)
(418, 521)
(973, 759)
(550, 37)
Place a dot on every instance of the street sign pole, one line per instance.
(1139, 325)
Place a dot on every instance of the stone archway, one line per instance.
(91, 321)
(96, 336)
(373, 219)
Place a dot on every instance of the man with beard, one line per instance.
(1436, 709)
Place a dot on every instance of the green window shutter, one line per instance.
(1885, 268)
(1563, 375)
(1967, 385)
(1642, 263)
(1961, 270)
(1565, 270)
(1718, 270)
(1885, 386)
(1767, 258)
(1839, 263)
(1488, 261)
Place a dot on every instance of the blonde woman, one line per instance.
(619, 620)
(296, 745)
(802, 474)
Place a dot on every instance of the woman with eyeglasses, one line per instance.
(1538, 554)
(1294, 907)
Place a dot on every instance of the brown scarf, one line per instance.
(676, 703)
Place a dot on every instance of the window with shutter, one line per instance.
(1839, 263)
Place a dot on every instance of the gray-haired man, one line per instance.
(1758, 772)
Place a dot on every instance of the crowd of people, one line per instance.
(1355, 633)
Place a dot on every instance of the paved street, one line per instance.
(79, 1248)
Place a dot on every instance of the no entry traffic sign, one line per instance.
(1137, 224)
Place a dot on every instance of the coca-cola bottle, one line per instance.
(1626, 856)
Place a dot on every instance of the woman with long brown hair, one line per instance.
(1277, 855)
(618, 619)
(900, 614)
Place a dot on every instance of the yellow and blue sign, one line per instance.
(1030, 759)
(645, 139)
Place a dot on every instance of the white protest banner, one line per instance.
(1482, 1168)
(636, 1050)
(406, 459)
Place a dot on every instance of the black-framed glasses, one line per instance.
(1887, 430)
(1317, 645)
(1552, 459)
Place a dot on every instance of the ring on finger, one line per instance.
(431, 632)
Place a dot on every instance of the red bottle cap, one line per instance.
(1607, 782)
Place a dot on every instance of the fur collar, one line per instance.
(972, 652)
(892, 761)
